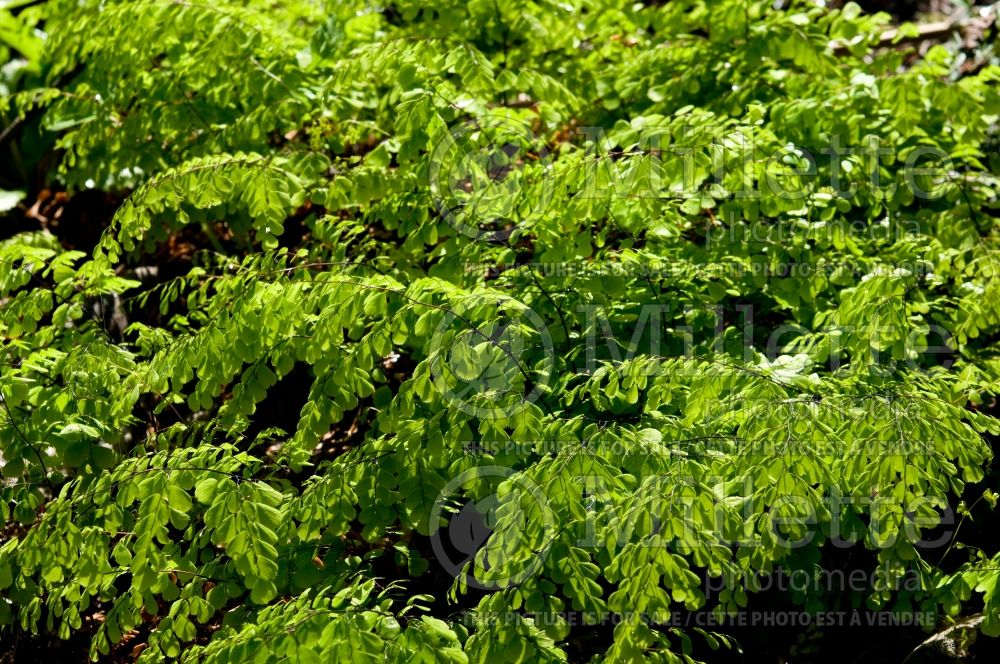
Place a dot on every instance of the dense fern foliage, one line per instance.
(489, 331)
